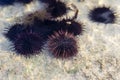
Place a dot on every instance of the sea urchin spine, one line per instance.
(62, 44)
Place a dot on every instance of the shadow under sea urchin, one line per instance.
(62, 45)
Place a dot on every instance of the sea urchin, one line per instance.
(28, 43)
(57, 8)
(62, 44)
(12, 32)
(102, 15)
(71, 26)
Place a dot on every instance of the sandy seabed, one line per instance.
(99, 48)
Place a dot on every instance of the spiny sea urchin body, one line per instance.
(12, 32)
(28, 39)
(102, 15)
(62, 45)
(57, 8)
(72, 27)
(28, 43)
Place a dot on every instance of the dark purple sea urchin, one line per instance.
(71, 26)
(28, 43)
(62, 44)
(102, 15)
(56, 8)
(12, 32)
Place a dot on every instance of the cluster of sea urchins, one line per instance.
(28, 39)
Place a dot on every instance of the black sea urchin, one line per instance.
(12, 32)
(102, 15)
(71, 26)
(62, 45)
(56, 8)
(28, 43)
